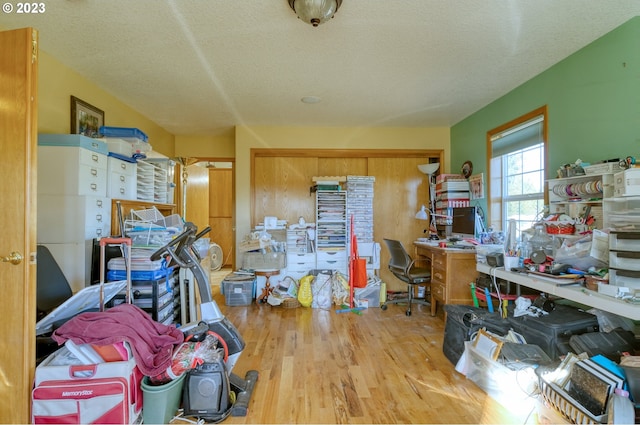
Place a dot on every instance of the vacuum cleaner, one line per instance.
(204, 391)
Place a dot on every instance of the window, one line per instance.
(517, 171)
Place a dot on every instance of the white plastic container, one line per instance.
(120, 147)
(627, 182)
(604, 168)
(127, 147)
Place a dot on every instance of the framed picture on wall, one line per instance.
(86, 119)
(476, 186)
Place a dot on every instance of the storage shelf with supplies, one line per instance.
(578, 195)
(573, 293)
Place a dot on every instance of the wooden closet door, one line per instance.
(342, 166)
(221, 211)
(399, 191)
(18, 168)
(282, 188)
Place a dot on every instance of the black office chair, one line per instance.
(403, 267)
(52, 287)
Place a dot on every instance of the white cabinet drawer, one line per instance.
(117, 165)
(333, 260)
(301, 261)
(71, 170)
(627, 260)
(331, 256)
(63, 219)
(121, 183)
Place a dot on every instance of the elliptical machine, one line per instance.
(182, 253)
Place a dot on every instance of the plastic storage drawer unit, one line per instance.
(627, 260)
(624, 241)
(625, 278)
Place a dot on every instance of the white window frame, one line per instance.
(496, 188)
(521, 223)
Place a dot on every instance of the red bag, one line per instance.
(358, 266)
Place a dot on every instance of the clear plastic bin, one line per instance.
(150, 238)
(238, 293)
(268, 261)
(370, 293)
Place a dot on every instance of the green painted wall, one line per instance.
(593, 99)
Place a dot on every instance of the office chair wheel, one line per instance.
(408, 313)
(383, 307)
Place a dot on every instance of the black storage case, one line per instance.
(552, 331)
(610, 345)
(463, 321)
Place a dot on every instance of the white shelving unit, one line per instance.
(164, 185)
(572, 195)
(331, 229)
(152, 183)
(360, 206)
(452, 191)
(145, 181)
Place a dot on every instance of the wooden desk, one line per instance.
(452, 270)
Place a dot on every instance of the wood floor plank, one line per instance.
(317, 366)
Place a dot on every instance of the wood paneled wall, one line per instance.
(282, 179)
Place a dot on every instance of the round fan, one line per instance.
(215, 254)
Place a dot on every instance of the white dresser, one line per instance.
(121, 178)
(73, 206)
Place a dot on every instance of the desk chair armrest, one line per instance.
(416, 262)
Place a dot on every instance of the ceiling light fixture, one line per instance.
(315, 12)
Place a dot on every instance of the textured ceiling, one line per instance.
(201, 67)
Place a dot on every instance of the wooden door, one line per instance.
(18, 167)
(399, 190)
(198, 196)
(221, 211)
(281, 188)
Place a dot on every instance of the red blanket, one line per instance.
(152, 343)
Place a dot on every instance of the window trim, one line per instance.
(494, 186)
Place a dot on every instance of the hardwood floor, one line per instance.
(317, 366)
